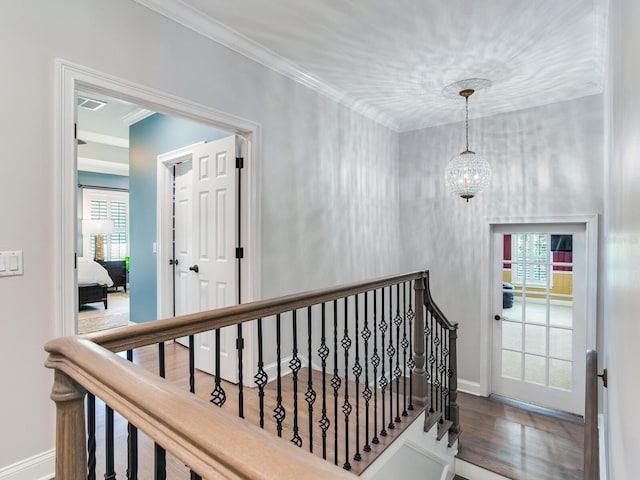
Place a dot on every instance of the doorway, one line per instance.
(72, 77)
(540, 304)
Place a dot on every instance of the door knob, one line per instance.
(497, 317)
(194, 268)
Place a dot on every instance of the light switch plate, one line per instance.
(11, 263)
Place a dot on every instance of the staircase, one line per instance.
(339, 373)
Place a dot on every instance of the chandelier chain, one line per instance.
(466, 123)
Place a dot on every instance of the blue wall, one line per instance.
(149, 138)
(98, 180)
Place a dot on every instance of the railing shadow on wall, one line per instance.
(348, 365)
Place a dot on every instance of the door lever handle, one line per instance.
(194, 268)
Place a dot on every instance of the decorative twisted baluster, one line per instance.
(391, 351)
(411, 362)
(397, 372)
(279, 412)
(383, 380)
(110, 473)
(240, 348)
(435, 340)
(375, 361)
(218, 395)
(335, 380)
(404, 344)
(366, 392)
(192, 364)
(323, 353)
(261, 378)
(159, 454)
(357, 371)
(294, 365)
(310, 394)
(346, 406)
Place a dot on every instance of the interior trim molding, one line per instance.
(470, 387)
(102, 166)
(38, 467)
(469, 470)
(202, 24)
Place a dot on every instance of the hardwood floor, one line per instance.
(518, 442)
(177, 371)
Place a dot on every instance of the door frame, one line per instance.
(70, 77)
(486, 306)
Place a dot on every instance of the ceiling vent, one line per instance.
(90, 103)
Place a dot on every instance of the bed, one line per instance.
(93, 280)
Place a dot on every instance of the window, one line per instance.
(103, 205)
(530, 254)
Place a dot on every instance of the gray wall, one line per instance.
(546, 161)
(622, 236)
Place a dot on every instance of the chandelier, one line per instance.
(468, 173)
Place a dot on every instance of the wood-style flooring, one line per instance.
(176, 358)
(520, 442)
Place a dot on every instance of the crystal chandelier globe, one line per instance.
(467, 174)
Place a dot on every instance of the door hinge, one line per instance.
(239, 252)
(603, 376)
(239, 343)
(239, 162)
(75, 131)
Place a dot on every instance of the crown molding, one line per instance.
(202, 24)
(89, 136)
(102, 166)
(136, 115)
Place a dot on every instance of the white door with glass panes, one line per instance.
(539, 325)
(106, 204)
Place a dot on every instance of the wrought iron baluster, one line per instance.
(261, 377)
(132, 442)
(335, 381)
(192, 364)
(195, 476)
(383, 380)
(294, 365)
(391, 351)
(110, 473)
(159, 455)
(279, 412)
(446, 372)
(430, 347)
(411, 362)
(310, 395)
(240, 348)
(366, 392)
(397, 372)
(375, 361)
(218, 395)
(91, 436)
(323, 353)
(404, 344)
(441, 369)
(357, 371)
(346, 406)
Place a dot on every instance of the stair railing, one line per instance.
(354, 359)
(436, 371)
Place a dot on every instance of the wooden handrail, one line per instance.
(210, 441)
(431, 304)
(119, 339)
(591, 451)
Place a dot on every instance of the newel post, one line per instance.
(454, 409)
(71, 451)
(418, 378)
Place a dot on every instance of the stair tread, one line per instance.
(443, 428)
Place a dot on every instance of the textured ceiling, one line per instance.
(396, 57)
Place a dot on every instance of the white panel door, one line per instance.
(539, 327)
(184, 280)
(214, 246)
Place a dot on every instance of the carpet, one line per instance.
(103, 322)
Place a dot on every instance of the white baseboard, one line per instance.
(38, 467)
(467, 386)
(471, 471)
